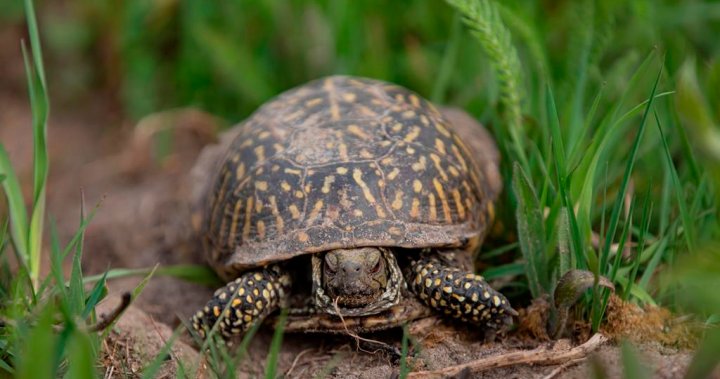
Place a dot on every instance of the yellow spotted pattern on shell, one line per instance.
(342, 162)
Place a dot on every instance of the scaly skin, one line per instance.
(245, 301)
(459, 294)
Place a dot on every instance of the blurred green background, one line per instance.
(227, 57)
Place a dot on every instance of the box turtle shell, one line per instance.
(361, 175)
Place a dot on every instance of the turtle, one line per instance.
(355, 203)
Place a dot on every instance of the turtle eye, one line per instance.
(330, 267)
(376, 268)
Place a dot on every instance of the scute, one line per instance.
(337, 163)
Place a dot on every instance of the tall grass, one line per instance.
(27, 236)
(49, 327)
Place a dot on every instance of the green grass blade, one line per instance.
(645, 226)
(81, 357)
(566, 260)
(576, 152)
(404, 369)
(558, 151)
(134, 295)
(77, 289)
(56, 263)
(275, 346)
(619, 200)
(40, 109)
(659, 252)
(98, 292)
(506, 270)
(688, 225)
(36, 359)
(199, 274)
(531, 233)
(16, 207)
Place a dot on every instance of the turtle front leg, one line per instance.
(458, 293)
(244, 302)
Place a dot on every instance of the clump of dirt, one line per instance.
(534, 320)
(623, 320)
(648, 324)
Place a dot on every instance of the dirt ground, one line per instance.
(144, 219)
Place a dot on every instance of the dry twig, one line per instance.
(539, 356)
(107, 320)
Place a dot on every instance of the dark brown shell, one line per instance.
(343, 162)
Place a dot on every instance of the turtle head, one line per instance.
(355, 277)
(356, 281)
